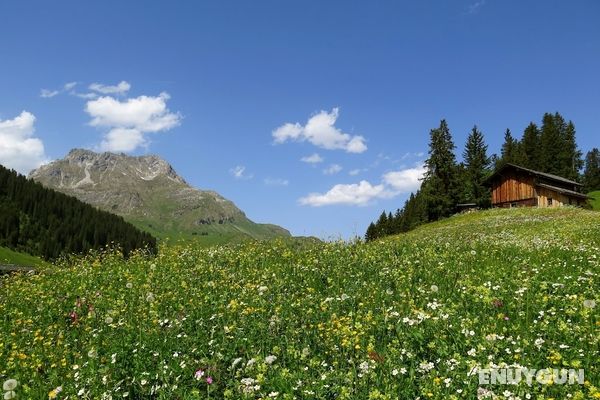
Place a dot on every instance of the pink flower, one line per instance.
(199, 374)
(209, 380)
(497, 303)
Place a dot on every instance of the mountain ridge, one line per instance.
(147, 191)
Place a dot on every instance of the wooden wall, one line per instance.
(558, 199)
(511, 188)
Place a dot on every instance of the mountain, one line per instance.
(148, 192)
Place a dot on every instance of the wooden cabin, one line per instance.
(516, 186)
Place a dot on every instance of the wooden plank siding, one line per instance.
(511, 188)
(558, 199)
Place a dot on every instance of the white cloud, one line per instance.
(239, 172)
(86, 96)
(405, 180)
(19, 150)
(356, 194)
(474, 8)
(119, 89)
(393, 184)
(276, 182)
(128, 121)
(332, 169)
(45, 93)
(312, 159)
(123, 139)
(320, 130)
(355, 172)
(67, 87)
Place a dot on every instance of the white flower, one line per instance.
(472, 352)
(273, 394)
(236, 362)
(92, 353)
(589, 304)
(262, 289)
(394, 372)
(143, 382)
(434, 288)
(539, 342)
(10, 395)
(250, 362)
(270, 359)
(10, 384)
(150, 297)
(108, 320)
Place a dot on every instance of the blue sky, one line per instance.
(210, 86)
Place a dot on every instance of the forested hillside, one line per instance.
(47, 223)
(550, 148)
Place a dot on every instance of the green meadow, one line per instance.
(414, 316)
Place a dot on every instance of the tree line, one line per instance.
(46, 223)
(550, 148)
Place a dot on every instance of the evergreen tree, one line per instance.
(477, 165)
(510, 149)
(591, 174)
(371, 232)
(570, 155)
(441, 184)
(530, 147)
(551, 142)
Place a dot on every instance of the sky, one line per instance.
(313, 115)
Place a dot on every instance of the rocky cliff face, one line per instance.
(147, 191)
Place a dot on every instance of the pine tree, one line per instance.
(530, 147)
(591, 174)
(371, 232)
(570, 155)
(551, 142)
(477, 165)
(509, 152)
(441, 185)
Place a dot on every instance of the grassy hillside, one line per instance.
(595, 202)
(8, 256)
(400, 318)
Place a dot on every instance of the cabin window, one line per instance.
(513, 205)
(549, 201)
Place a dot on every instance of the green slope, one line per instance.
(595, 201)
(8, 256)
(402, 317)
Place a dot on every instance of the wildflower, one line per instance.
(434, 288)
(150, 297)
(394, 372)
(199, 374)
(54, 392)
(74, 317)
(589, 304)
(209, 380)
(129, 285)
(236, 362)
(270, 359)
(10, 384)
(92, 353)
(108, 320)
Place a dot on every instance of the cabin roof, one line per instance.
(555, 178)
(563, 191)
